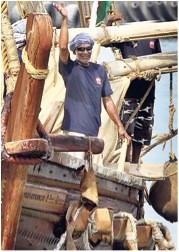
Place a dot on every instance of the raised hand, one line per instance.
(61, 9)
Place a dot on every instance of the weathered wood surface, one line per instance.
(67, 160)
(67, 143)
(142, 63)
(69, 179)
(130, 32)
(27, 147)
(23, 118)
(144, 171)
(38, 237)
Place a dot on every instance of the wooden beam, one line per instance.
(23, 118)
(127, 66)
(27, 147)
(68, 143)
(129, 31)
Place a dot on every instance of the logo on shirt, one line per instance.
(152, 44)
(98, 81)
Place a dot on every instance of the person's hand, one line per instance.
(117, 16)
(61, 9)
(124, 134)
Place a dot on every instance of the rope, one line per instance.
(163, 242)
(90, 231)
(82, 24)
(21, 12)
(10, 55)
(55, 67)
(160, 140)
(4, 9)
(38, 74)
(88, 154)
(131, 230)
(172, 111)
(70, 227)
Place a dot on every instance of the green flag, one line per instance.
(103, 8)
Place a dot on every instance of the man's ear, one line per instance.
(74, 52)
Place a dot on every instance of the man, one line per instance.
(86, 83)
(140, 128)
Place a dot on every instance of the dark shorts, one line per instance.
(140, 128)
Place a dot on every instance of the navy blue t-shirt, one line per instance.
(138, 87)
(85, 85)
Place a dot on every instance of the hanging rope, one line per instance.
(84, 12)
(172, 111)
(10, 56)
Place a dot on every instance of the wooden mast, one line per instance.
(25, 107)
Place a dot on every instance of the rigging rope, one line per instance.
(172, 111)
(84, 12)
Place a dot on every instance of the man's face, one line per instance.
(83, 53)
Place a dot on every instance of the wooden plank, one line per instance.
(122, 157)
(101, 171)
(23, 119)
(27, 147)
(67, 143)
(155, 61)
(146, 171)
(44, 198)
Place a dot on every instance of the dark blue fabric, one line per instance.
(138, 87)
(85, 85)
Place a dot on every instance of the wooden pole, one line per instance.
(129, 31)
(25, 107)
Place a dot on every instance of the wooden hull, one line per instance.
(52, 187)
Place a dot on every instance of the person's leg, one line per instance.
(128, 107)
(136, 150)
(143, 130)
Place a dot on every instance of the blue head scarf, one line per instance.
(79, 39)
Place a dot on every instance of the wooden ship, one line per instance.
(52, 200)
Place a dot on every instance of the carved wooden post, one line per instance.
(25, 107)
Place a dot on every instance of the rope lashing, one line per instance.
(149, 75)
(107, 38)
(160, 234)
(89, 232)
(131, 230)
(38, 74)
